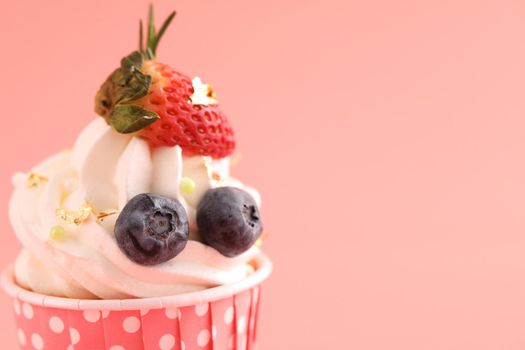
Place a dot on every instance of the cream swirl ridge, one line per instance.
(106, 169)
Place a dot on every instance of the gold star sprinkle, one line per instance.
(216, 176)
(34, 180)
(76, 217)
(202, 93)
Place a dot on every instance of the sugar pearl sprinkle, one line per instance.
(187, 185)
(70, 185)
(57, 233)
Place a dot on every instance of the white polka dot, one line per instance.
(241, 325)
(21, 337)
(131, 324)
(74, 335)
(27, 310)
(16, 305)
(243, 343)
(171, 313)
(117, 347)
(37, 341)
(182, 346)
(213, 332)
(56, 324)
(228, 315)
(144, 312)
(92, 316)
(203, 338)
(105, 313)
(201, 309)
(167, 342)
(70, 347)
(70, 184)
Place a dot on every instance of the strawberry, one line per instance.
(162, 105)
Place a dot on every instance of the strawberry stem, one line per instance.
(151, 28)
(153, 37)
(141, 35)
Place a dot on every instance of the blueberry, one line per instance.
(228, 220)
(152, 229)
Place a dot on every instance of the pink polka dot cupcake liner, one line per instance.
(220, 318)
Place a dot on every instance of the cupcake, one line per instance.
(138, 237)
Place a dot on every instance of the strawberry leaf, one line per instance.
(162, 29)
(125, 84)
(151, 29)
(141, 37)
(133, 86)
(134, 59)
(127, 119)
(152, 36)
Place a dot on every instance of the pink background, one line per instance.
(387, 139)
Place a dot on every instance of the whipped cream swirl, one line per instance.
(107, 169)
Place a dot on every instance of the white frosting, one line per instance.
(107, 169)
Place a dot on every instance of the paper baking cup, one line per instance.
(220, 318)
